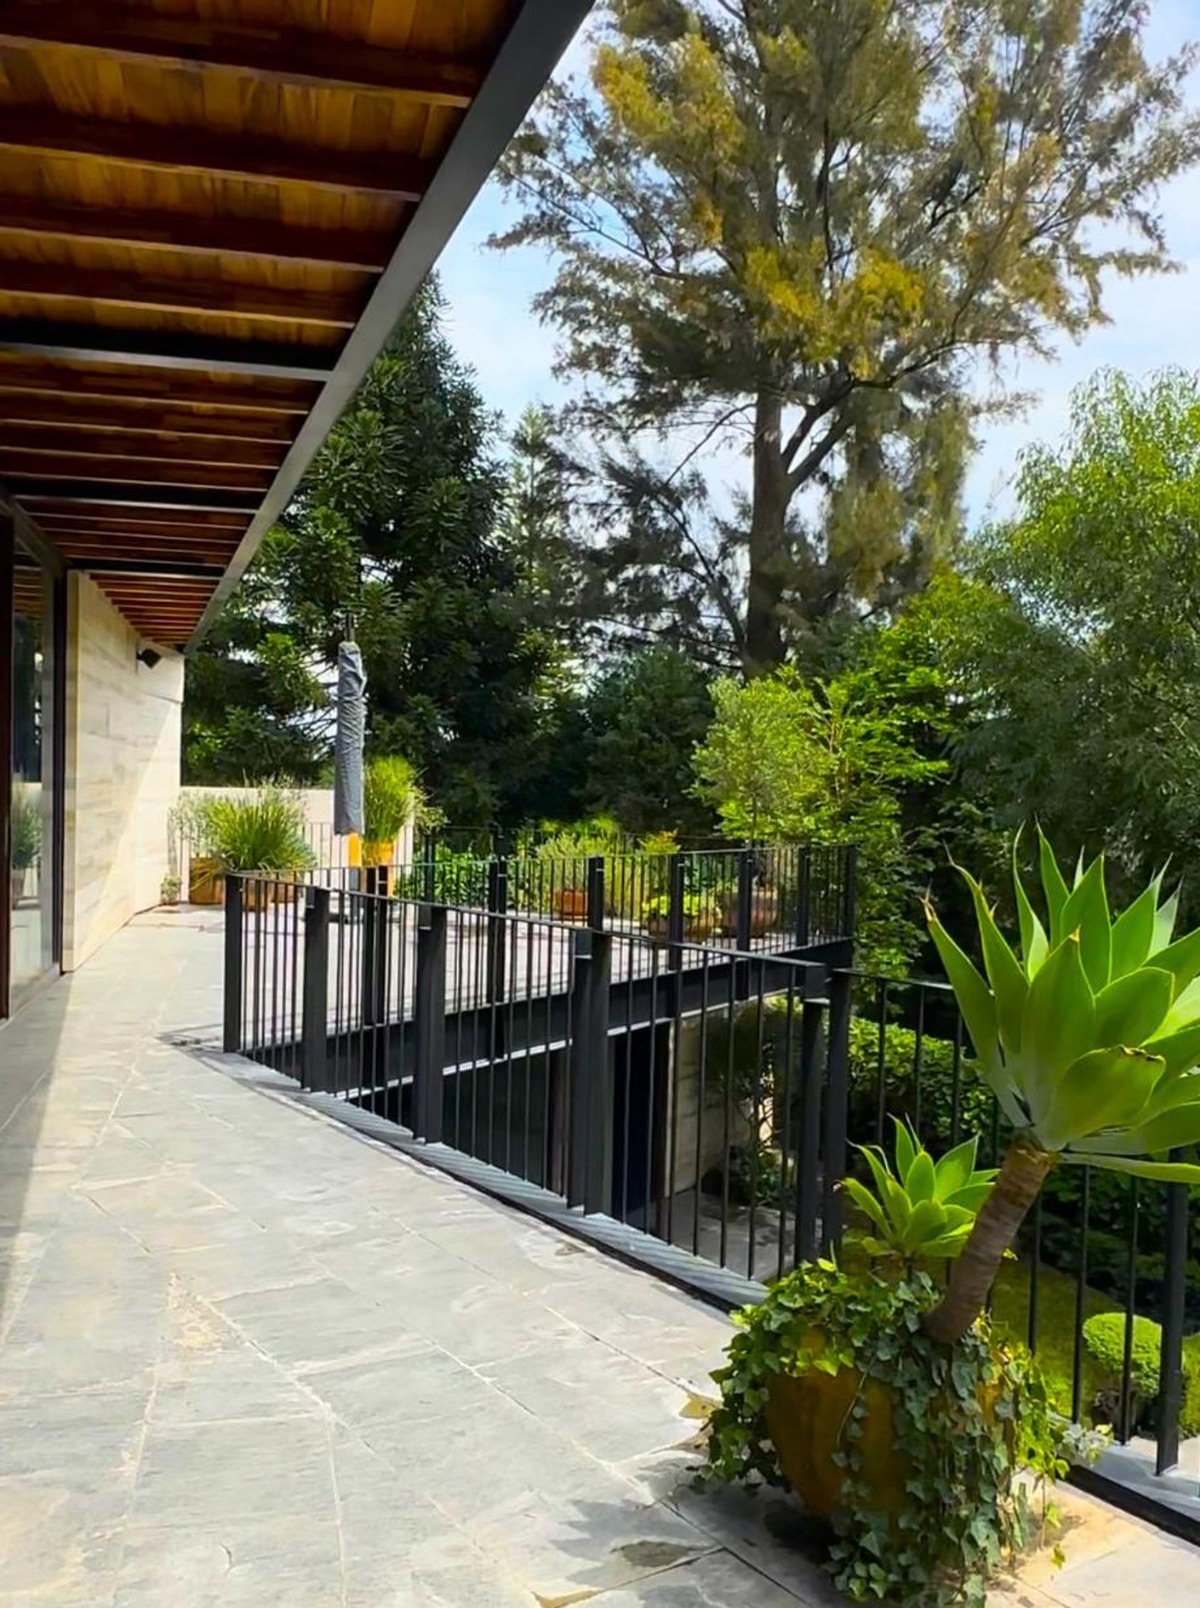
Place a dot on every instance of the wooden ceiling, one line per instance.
(212, 212)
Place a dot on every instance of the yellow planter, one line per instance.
(377, 853)
(206, 880)
(807, 1418)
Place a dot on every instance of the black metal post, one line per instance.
(429, 1067)
(1170, 1387)
(599, 1085)
(497, 905)
(234, 966)
(803, 896)
(314, 1025)
(375, 940)
(676, 893)
(837, 1098)
(809, 1148)
(590, 1141)
(745, 894)
(595, 891)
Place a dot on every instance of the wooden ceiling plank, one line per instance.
(259, 394)
(169, 349)
(181, 149)
(164, 446)
(274, 54)
(169, 569)
(216, 296)
(132, 471)
(69, 414)
(29, 488)
(186, 232)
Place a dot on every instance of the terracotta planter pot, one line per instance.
(206, 881)
(764, 912)
(695, 928)
(569, 904)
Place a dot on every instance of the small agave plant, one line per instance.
(920, 1209)
(1088, 1031)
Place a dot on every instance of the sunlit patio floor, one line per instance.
(247, 1357)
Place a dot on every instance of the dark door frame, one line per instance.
(7, 566)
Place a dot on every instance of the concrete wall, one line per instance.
(123, 725)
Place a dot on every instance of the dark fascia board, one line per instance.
(33, 539)
(148, 348)
(535, 42)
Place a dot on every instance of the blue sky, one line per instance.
(1153, 321)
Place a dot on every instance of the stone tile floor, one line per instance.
(249, 1359)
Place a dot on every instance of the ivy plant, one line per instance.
(963, 1510)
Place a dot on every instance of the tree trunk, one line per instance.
(971, 1277)
(765, 649)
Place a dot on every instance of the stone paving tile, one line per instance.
(248, 1360)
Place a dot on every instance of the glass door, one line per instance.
(31, 893)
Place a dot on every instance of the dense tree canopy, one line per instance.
(803, 224)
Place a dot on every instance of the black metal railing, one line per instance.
(703, 1093)
(1095, 1242)
(776, 897)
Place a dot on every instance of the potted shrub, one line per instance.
(391, 798)
(262, 832)
(25, 838)
(168, 890)
(1088, 1032)
(700, 916)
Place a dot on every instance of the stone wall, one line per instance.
(122, 771)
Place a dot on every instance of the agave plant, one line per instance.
(1088, 1031)
(922, 1208)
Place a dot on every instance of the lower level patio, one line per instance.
(249, 1358)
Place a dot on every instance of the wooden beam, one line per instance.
(156, 534)
(214, 297)
(96, 343)
(244, 393)
(69, 413)
(197, 150)
(130, 471)
(31, 489)
(184, 569)
(79, 554)
(164, 446)
(279, 55)
(74, 512)
(185, 232)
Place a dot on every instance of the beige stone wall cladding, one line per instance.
(123, 727)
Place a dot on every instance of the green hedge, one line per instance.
(927, 1101)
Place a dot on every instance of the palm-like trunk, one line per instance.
(1021, 1176)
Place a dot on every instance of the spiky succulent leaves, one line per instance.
(920, 1208)
(1091, 1033)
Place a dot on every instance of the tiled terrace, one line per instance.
(249, 1358)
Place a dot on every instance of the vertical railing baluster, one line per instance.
(234, 967)
(1170, 1383)
(314, 1060)
(430, 1026)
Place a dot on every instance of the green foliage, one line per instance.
(963, 1511)
(927, 1102)
(697, 907)
(827, 762)
(447, 876)
(1088, 1033)
(919, 1208)
(261, 832)
(25, 828)
(391, 797)
(645, 714)
(796, 225)
(399, 529)
(1104, 1337)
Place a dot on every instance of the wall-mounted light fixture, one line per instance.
(148, 657)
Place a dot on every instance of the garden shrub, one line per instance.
(927, 1102)
(1104, 1336)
